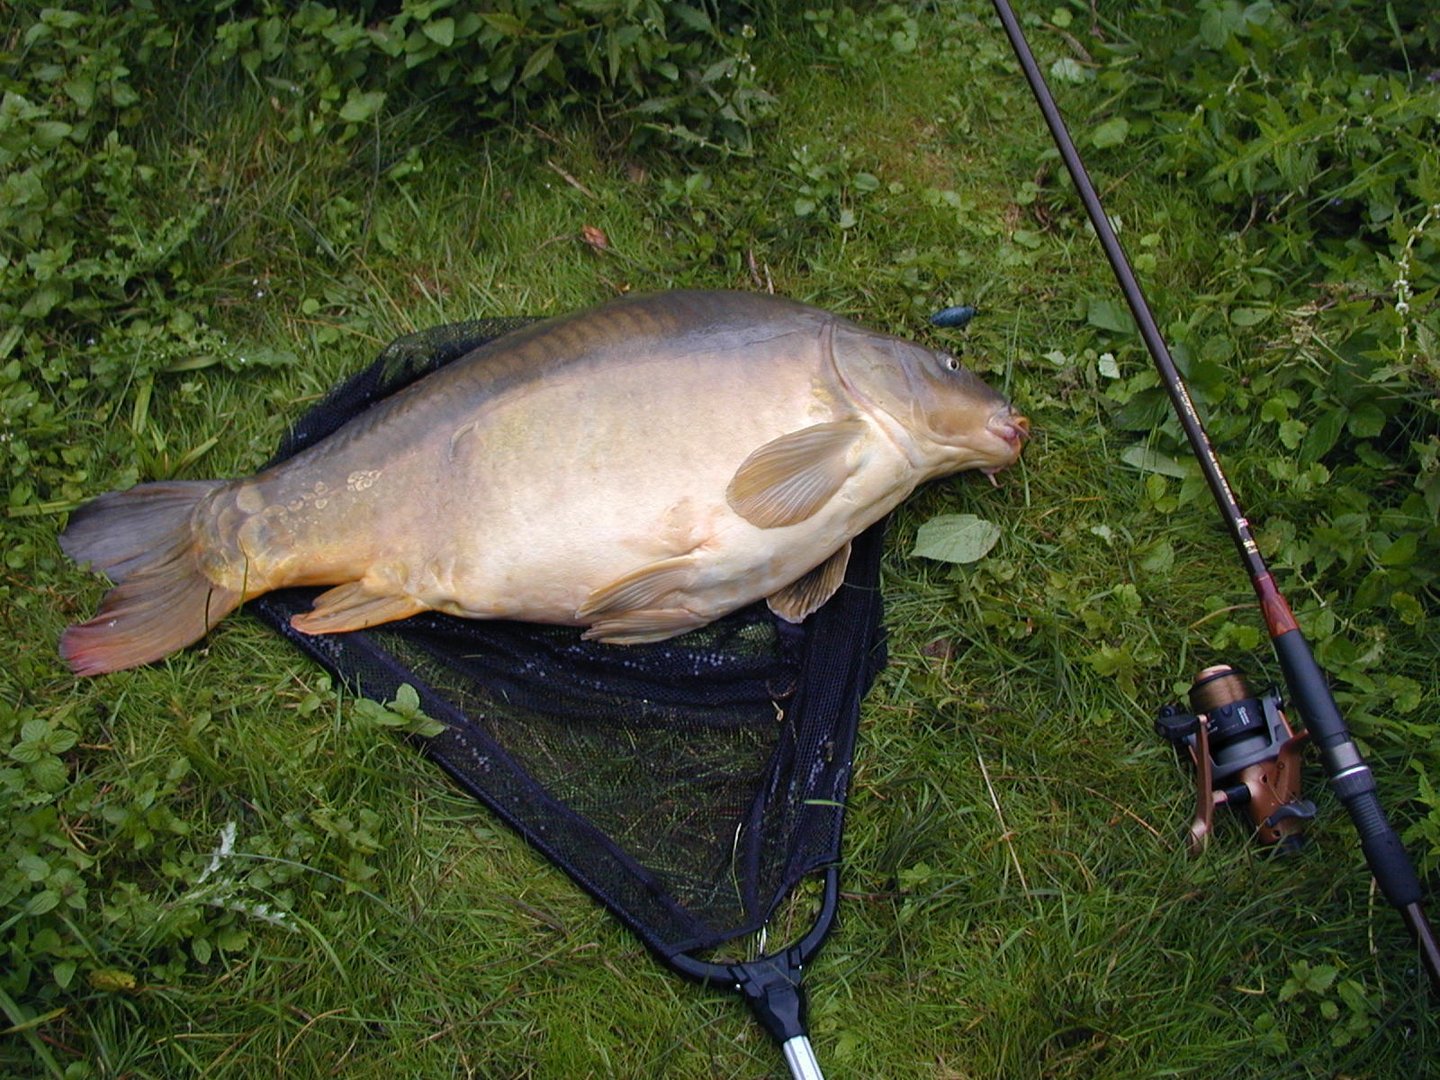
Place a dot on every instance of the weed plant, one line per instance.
(223, 865)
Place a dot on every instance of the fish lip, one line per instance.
(1010, 426)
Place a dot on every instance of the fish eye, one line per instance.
(951, 364)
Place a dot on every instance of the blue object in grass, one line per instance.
(954, 317)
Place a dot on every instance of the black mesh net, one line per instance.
(688, 785)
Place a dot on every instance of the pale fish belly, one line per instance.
(543, 559)
(542, 513)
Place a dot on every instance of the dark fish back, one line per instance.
(682, 320)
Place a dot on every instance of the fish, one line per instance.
(638, 469)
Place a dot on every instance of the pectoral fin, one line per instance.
(790, 478)
(803, 596)
(353, 607)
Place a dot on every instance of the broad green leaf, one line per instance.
(49, 773)
(232, 939)
(1145, 459)
(694, 18)
(359, 107)
(41, 902)
(263, 357)
(956, 538)
(406, 699)
(1110, 315)
(1408, 608)
(538, 62)
(1248, 316)
(508, 25)
(1274, 410)
(440, 31)
(1322, 436)
(1402, 551)
(49, 132)
(1068, 70)
(1366, 421)
(1159, 559)
(1110, 133)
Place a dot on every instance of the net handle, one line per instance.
(800, 1056)
(771, 984)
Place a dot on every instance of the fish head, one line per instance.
(934, 397)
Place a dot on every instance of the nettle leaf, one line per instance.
(956, 538)
(539, 60)
(506, 24)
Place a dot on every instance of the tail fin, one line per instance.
(143, 541)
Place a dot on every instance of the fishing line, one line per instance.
(1350, 778)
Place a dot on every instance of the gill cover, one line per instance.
(929, 393)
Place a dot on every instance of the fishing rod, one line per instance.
(1350, 778)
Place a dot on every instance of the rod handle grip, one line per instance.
(1350, 778)
(1394, 872)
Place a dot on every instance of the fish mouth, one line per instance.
(1010, 426)
(1012, 429)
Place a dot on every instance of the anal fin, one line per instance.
(354, 607)
(804, 595)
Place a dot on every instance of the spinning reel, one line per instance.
(1245, 755)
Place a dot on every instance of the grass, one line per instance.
(1017, 903)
